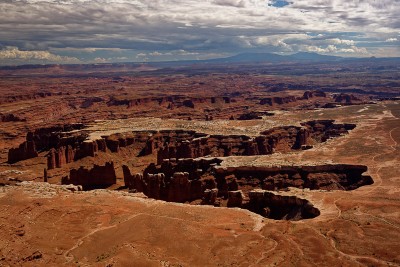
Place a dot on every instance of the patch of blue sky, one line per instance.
(279, 3)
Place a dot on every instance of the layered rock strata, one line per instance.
(205, 180)
(96, 177)
(69, 143)
(170, 183)
(320, 177)
(280, 207)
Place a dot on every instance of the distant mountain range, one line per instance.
(300, 57)
(270, 57)
(244, 58)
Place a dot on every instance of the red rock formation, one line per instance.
(170, 102)
(280, 207)
(90, 101)
(202, 179)
(179, 187)
(277, 100)
(326, 177)
(168, 182)
(188, 103)
(188, 144)
(45, 139)
(25, 151)
(346, 98)
(311, 94)
(322, 130)
(153, 183)
(59, 157)
(235, 198)
(51, 159)
(71, 146)
(133, 182)
(96, 177)
(10, 118)
(210, 196)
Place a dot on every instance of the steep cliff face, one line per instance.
(96, 177)
(10, 118)
(244, 187)
(277, 100)
(68, 143)
(174, 180)
(44, 139)
(322, 130)
(171, 102)
(280, 207)
(174, 144)
(346, 99)
(26, 150)
(320, 177)
(62, 155)
(312, 94)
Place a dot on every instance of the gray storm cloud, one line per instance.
(198, 27)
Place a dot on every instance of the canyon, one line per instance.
(149, 167)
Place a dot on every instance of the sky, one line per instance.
(102, 31)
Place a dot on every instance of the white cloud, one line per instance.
(338, 41)
(200, 27)
(334, 49)
(10, 53)
(233, 3)
(391, 40)
(100, 60)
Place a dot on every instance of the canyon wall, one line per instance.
(96, 177)
(70, 142)
(191, 177)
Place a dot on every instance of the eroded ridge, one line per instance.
(69, 143)
(203, 181)
(319, 177)
(278, 207)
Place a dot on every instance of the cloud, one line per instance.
(391, 40)
(127, 28)
(341, 41)
(13, 53)
(100, 60)
(233, 3)
(334, 49)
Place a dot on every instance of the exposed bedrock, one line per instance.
(205, 180)
(171, 102)
(69, 143)
(311, 94)
(324, 177)
(253, 115)
(10, 118)
(96, 177)
(88, 102)
(346, 98)
(280, 207)
(187, 144)
(26, 150)
(44, 139)
(169, 182)
(277, 100)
